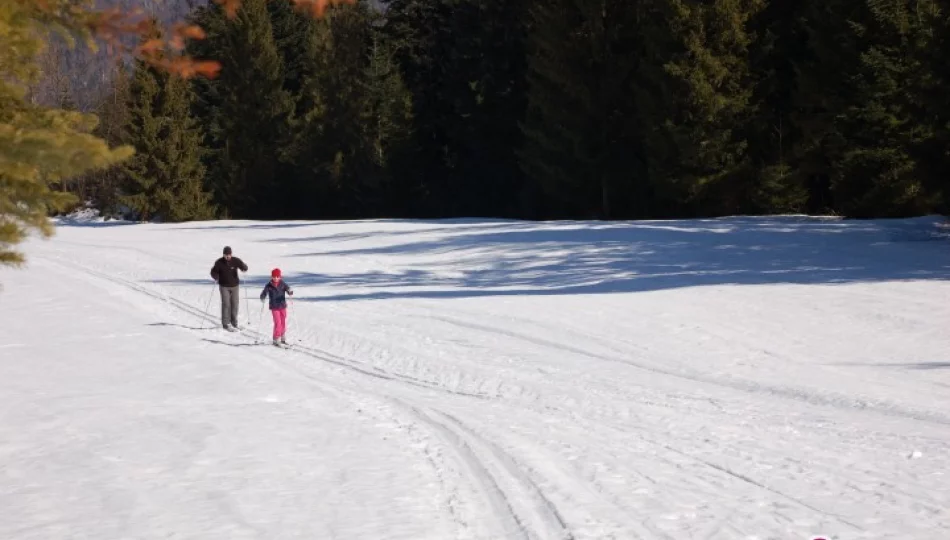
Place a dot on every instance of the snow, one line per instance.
(744, 378)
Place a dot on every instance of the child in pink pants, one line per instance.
(275, 290)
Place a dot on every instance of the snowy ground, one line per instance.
(782, 378)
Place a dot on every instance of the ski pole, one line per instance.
(260, 323)
(208, 307)
(247, 307)
(293, 321)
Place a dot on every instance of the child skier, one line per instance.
(275, 290)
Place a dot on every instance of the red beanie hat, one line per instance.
(275, 272)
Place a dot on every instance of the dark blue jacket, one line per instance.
(276, 294)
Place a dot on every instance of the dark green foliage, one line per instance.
(246, 110)
(933, 154)
(709, 72)
(851, 83)
(165, 177)
(112, 109)
(607, 109)
(463, 62)
(588, 83)
(878, 173)
(640, 109)
(353, 117)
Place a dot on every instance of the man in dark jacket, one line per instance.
(225, 273)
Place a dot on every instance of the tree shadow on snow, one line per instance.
(245, 226)
(562, 258)
(916, 366)
(592, 258)
(91, 223)
(395, 229)
(929, 365)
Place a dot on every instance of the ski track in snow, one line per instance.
(691, 412)
(461, 441)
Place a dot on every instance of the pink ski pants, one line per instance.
(280, 321)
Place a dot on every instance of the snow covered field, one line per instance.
(781, 378)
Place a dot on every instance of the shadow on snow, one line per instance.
(562, 258)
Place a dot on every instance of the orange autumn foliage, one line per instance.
(315, 7)
(111, 26)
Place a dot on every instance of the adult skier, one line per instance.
(225, 274)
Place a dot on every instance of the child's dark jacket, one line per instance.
(276, 293)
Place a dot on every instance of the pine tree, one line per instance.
(385, 117)
(143, 188)
(807, 63)
(774, 137)
(713, 89)
(246, 109)
(112, 109)
(487, 87)
(388, 108)
(292, 30)
(38, 146)
(165, 178)
(594, 89)
(183, 148)
(878, 174)
(354, 115)
(933, 156)
(421, 32)
(463, 62)
(313, 194)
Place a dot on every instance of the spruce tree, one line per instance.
(933, 155)
(878, 174)
(142, 189)
(165, 178)
(463, 62)
(488, 90)
(594, 90)
(292, 29)
(112, 109)
(246, 109)
(774, 137)
(816, 52)
(39, 146)
(558, 114)
(354, 115)
(421, 31)
(713, 104)
(385, 117)
(314, 196)
(183, 147)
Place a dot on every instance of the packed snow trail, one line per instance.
(116, 424)
(747, 378)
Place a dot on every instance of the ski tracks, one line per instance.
(469, 466)
(802, 395)
(524, 510)
(487, 492)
